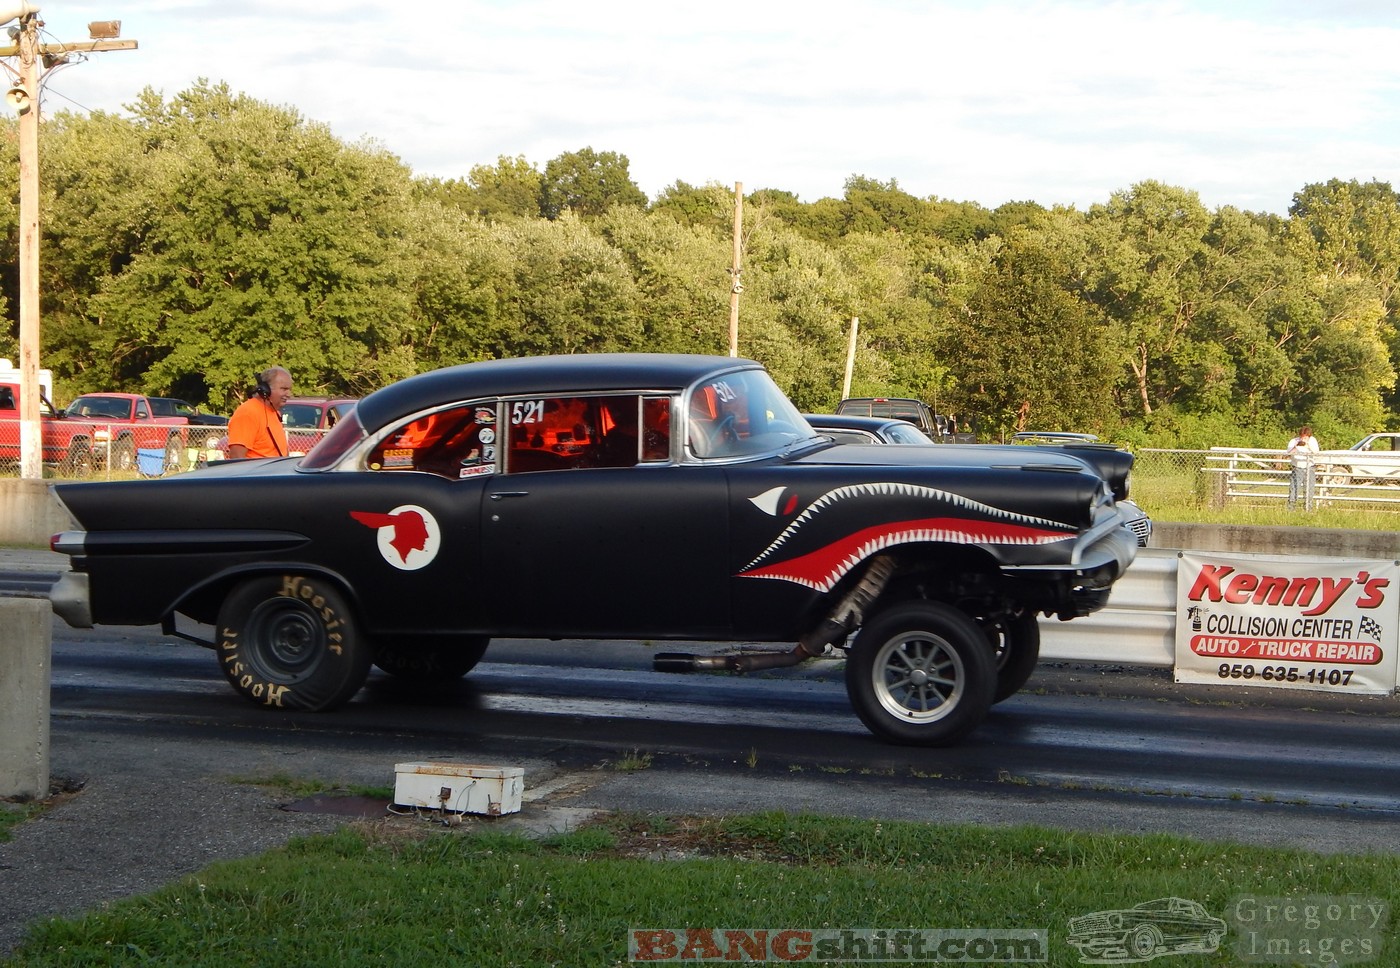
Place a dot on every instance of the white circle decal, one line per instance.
(408, 537)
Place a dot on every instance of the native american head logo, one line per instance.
(408, 535)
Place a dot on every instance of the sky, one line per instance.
(1061, 102)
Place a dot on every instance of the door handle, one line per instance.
(497, 495)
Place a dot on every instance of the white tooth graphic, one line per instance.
(767, 502)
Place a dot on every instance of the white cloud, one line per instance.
(1060, 102)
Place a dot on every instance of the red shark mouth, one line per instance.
(823, 568)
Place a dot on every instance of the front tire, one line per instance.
(425, 659)
(921, 674)
(291, 642)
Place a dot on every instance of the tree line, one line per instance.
(195, 240)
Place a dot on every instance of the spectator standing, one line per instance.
(1301, 450)
(255, 429)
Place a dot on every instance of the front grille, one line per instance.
(1142, 530)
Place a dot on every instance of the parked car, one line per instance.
(1166, 926)
(917, 412)
(1052, 437)
(129, 434)
(205, 429)
(175, 407)
(849, 429)
(640, 496)
(1374, 459)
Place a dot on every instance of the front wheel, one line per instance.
(430, 658)
(291, 642)
(921, 674)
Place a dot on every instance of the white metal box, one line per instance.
(459, 787)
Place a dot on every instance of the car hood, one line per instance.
(1109, 463)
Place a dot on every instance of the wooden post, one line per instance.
(737, 286)
(850, 357)
(31, 442)
(29, 51)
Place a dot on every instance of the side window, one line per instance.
(656, 428)
(455, 443)
(7, 398)
(573, 432)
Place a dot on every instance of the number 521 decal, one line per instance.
(526, 411)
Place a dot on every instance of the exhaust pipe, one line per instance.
(744, 662)
(846, 616)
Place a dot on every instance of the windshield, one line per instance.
(742, 414)
(346, 433)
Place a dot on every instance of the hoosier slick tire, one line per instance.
(921, 674)
(429, 658)
(291, 642)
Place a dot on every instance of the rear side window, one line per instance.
(455, 443)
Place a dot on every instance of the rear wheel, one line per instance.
(1016, 650)
(291, 642)
(921, 674)
(422, 658)
(173, 457)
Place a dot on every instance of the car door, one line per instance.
(411, 524)
(581, 539)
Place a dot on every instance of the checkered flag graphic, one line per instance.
(1371, 627)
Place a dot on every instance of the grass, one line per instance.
(306, 787)
(386, 893)
(14, 813)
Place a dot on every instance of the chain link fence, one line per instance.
(118, 452)
(1259, 477)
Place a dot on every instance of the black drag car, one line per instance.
(613, 496)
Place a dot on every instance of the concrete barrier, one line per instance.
(1288, 540)
(26, 633)
(29, 514)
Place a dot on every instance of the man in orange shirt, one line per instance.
(255, 429)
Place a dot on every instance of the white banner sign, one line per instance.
(1288, 623)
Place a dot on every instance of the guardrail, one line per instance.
(1137, 627)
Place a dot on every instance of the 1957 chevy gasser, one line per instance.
(613, 496)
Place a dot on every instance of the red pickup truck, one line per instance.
(127, 429)
(67, 443)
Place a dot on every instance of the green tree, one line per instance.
(1148, 245)
(1036, 354)
(511, 188)
(249, 237)
(681, 273)
(588, 183)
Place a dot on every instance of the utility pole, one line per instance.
(737, 287)
(24, 98)
(850, 357)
